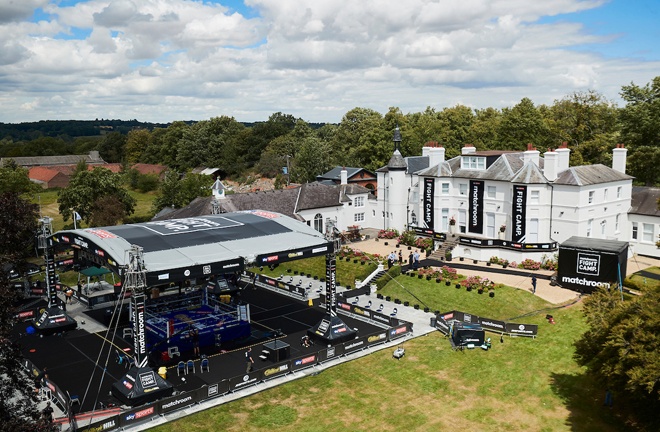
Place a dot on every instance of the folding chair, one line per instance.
(204, 365)
(173, 351)
(394, 312)
(180, 368)
(368, 305)
(356, 301)
(190, 366)
(380, 308)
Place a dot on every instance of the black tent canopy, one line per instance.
(179, 249)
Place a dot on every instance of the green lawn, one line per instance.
(519, 385)
(47, 200)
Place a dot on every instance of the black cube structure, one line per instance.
(587, 263)
(141, 385)
(464, 334)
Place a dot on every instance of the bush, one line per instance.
(393, 272)
(408, 238)
(389, 233)
(147, 182)
(530, 264)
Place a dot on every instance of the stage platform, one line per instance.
(80, 360)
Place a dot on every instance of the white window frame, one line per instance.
(605, 195)
(445, 219)
(318, 222)
(358, 217)
(473, 162)
(616, 223)
(618, 191)
(590, 226)
(591, 197)
(462, 188)
(535, 197)
(635, 231)
(358, 201)
(491, 191)
(444, 188)
(647, 232)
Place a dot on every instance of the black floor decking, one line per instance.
(85, 364)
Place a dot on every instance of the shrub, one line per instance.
(393, 272)
(389, 233)
(449, 273)
(408, 238)
(424, 243)
(530, 264)
(494, 260)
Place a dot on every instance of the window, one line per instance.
(445, 188)
(473, 162)
(590, 225)
(318, 222)
(634, 230)
(462, 217)
(647, 233)
(490, 225)
(605, 195)
(462, 188)
(491, 191)
(358, 201)
(533, 231)
(534, 197)
(445, 219)
(603, 228)
(413, 218)
(591, 197)
(618, 192)
(359, 217)
(616, 223)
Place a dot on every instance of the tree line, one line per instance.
(587, 121)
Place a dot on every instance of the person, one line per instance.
(48, 413)
(410, 260)
(69, 294)
(608, 398)
(194, 337)
(306, 341)
(400, 258)
(416, 260)
(533, 284)
(249, 360)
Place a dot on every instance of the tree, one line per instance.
(18, 225)
(621, 348)
(640, 126)
(313, 159)
(87, 190)
(15, 179)
(521, 125)
(178, 192)
(112, 146)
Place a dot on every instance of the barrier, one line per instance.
(488, 324)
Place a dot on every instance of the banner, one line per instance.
(331, 284)
(476, 216)
(518, 217)
(429, 191)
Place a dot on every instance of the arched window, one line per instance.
(318, 222)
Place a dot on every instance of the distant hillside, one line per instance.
(70, 128)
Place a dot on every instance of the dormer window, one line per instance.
(473, 162)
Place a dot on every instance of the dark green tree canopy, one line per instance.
(88, 189)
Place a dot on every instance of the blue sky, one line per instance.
(166, 60)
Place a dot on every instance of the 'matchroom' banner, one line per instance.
(476, 216)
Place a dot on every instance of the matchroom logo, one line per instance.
(588, 264)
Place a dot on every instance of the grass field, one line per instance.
(519, 385)
(47, 200)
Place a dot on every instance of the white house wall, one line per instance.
(644, 244)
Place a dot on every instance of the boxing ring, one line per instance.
(169, 322)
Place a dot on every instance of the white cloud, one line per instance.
(163, 60)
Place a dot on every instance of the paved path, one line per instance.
(519, 279)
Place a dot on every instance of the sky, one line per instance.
(167, 60)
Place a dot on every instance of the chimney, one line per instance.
(468, 149)
(436, 154)
(531, 155)
(550, 165)
(619, 158)
(344, 176)
(563, 157)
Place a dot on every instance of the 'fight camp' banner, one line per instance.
(476, 216)
(429, 188)
(519, 202)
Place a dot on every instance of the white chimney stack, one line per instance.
(344, 176)
(563, 157)
(550, 165)
(531, 155)
(619, 158)
(468, 149)
(435, 152)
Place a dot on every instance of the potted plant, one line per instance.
(448, 255)
(452, 225)
(505, 263)
(501, 232)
